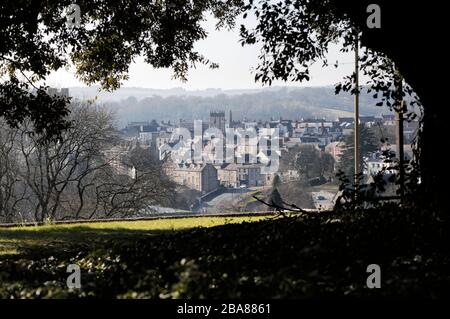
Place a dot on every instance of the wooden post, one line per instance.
(356, 141)
(399, 110)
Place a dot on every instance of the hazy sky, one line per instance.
(235, 71)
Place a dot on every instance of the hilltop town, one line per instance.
(240, 168)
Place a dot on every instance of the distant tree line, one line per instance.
(288, 103)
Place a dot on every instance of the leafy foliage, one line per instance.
(296, 33)
(368, 145)
(311, 162)
(36, 41)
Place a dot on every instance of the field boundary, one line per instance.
(130, 219)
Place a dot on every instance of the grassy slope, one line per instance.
(318, 256)
(12, 240)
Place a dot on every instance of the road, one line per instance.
(323, 200)
(227, 199)
(219, 204)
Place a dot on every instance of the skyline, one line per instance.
(235, 67)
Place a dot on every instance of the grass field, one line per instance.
(12, 240)
(315, 255)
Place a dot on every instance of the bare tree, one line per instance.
(73, 177)
(12, 190)
(56, 171)
(120, 195)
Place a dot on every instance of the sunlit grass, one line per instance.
(11, 239)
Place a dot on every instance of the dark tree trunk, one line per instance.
(413, 35)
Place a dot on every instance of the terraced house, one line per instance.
(201, 177)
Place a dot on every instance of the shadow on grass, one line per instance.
(280, 258)
(21, 242)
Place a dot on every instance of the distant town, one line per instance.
(243, 170)
(224, 162)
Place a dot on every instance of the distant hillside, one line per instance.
(137, 104)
